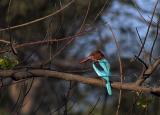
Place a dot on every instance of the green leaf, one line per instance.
(8, 63)
(143, 102)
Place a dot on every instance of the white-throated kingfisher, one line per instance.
(99, 57)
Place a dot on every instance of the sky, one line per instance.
(124, 19)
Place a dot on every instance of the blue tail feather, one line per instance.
(108, 86)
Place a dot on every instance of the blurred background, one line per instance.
(78, 29)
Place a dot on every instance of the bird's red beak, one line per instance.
(87, 59)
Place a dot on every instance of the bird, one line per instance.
(98, 57)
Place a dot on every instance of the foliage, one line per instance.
(143, 101)
(8, 61)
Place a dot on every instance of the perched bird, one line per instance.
(99, 57)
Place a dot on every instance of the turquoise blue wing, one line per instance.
(104, 73)
(105, 65)
(99, 72)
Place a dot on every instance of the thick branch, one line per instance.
(152, 67)
(148, 72)
(22, 74)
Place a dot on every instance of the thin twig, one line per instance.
(39, 19)
(141, 61)
(150, 57)
(37, 43)
(85, 18)
(92, 109)
(140, 39)
(120, 68)
(138, 9)
(9, 30)
(149, 26)
(102, 9)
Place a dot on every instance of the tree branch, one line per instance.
(146, 73)
(24, 73)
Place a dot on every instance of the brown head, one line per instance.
(94, 56)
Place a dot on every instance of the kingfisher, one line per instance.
(101, 66)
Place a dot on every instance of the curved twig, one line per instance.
(39, 19)
(157, 31)
(120, 68)
(149, 26)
